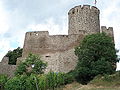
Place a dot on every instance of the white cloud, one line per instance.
(3, 19)
(4, 44)
(50, 26)
(110, 16)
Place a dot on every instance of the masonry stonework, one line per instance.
(7, 69)
(58, 50)
(84, 19)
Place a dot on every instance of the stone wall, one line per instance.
(56, 50)
(49, 43)
(84, 19)
(108, 31)
(7, 69)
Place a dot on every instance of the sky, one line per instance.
(20, 16)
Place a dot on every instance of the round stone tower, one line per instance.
(84, 19)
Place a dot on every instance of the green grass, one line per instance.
(101, 89)
(106, 82)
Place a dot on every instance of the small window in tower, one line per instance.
(77, 10)
(47, 56)
(73, 12)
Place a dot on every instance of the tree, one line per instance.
(13, 55)
(32, 64)
(96, 55)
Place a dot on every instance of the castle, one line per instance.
(58, 50)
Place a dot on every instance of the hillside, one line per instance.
(107, 82)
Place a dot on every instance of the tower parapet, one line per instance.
(108, 31)
(84, 18)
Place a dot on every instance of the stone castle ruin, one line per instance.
(58, 50)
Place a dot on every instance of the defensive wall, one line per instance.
(7, 69)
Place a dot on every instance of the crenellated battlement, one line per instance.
(80, 8)
(108, 31)
(84, 18)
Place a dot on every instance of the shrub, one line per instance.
(51, 80)
(31, 65)
(42, 82)
(38, 82)
(54, 79)
(69, 78)
(22, 82)
(3, 80)
(15, 84)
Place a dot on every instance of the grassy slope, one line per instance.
(108, 82)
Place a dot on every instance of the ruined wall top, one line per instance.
(37, 33)
(84, 19)
(5, 60)
(79, 8)
(108, 31)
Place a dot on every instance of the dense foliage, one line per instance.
(32, 64)
(13, 55)
(96, 55)
(48, 81)
(3, 80)
(22, 82)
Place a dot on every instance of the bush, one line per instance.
(38, 82)
(3, 80)
(31, 65)
(54, 79)
(42, 82)
(22, 82)
(69, 77)
(34, 82)
(15, 84)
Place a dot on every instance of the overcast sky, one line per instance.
(20, 16)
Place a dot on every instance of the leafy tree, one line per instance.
(96, 55)
(13, 55)
(32, 64)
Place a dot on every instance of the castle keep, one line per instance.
(58, 50)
